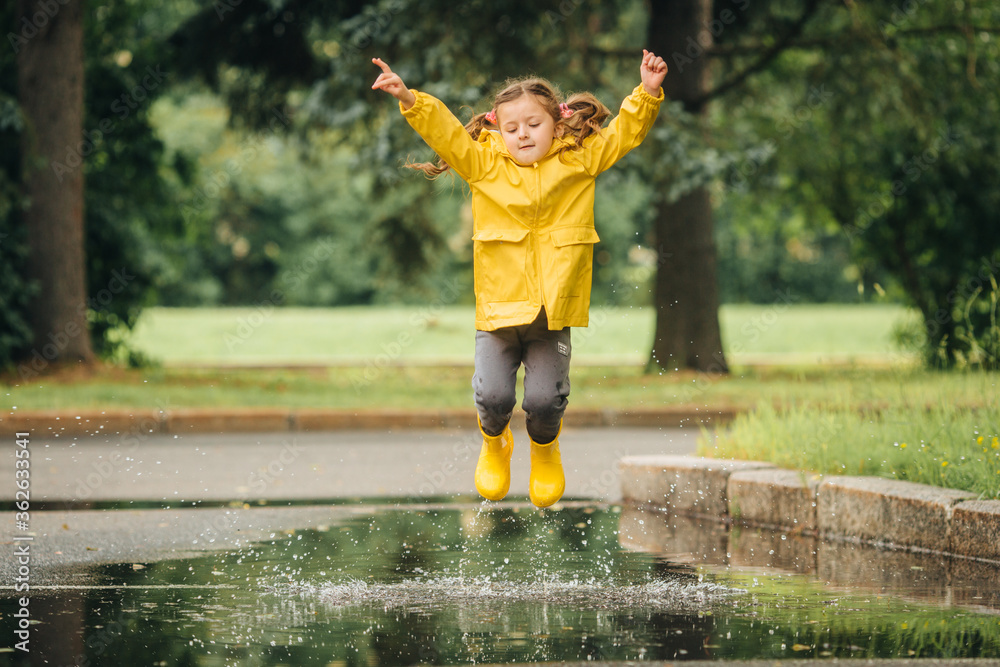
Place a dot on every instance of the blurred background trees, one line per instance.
(835, 152)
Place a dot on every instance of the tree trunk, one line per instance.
(50, 91)
(686, 294)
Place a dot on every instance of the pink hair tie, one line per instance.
(491, 116)
(565, 111)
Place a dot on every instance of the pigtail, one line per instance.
(587, 118)
(474, 127)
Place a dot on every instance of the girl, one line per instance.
(530, 163)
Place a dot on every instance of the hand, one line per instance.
(653, 69)
(390, 82)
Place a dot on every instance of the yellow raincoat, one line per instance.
(533, 224)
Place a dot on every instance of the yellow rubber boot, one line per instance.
(547, 481)
(493, 469)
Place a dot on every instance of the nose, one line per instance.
(522, 132)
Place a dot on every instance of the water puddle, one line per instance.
(421, 584)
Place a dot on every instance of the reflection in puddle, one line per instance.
(502, 583)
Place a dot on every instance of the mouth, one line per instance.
(524, 148)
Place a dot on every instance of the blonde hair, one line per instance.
(588, 115)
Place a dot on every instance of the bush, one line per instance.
(977, 344)
(965, 337)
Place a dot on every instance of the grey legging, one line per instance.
(545, 355)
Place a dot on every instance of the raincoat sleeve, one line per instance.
(625, 132)
(446, 135)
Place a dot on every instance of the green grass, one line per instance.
(357, 336)
(946, 444)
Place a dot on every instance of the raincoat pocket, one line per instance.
(500, 265)
(572, 258)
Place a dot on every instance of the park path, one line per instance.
(286, 466)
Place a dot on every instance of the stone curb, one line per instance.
(975, 529)
(681, 483)
(872, 510)
(899, 513)
(776, 498)
(42, 423)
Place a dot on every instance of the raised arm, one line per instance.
(630, 126)
(436, 124)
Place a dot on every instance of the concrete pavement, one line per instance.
(314, 466)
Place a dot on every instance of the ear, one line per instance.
(560, 130)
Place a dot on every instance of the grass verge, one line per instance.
(431, 387)
(944, 444)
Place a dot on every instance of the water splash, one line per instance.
(678, 594)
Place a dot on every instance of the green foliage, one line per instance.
(976, 344)
(890, 130)
(977, 333)
(276, 217)
(624, 262)
(121, 251)
(131, 191)
(771, 247)
(942, 238)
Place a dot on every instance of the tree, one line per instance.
(889, 131)
(50, 92)
(687, 333)
(130, 219)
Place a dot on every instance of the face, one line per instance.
(527, 128)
